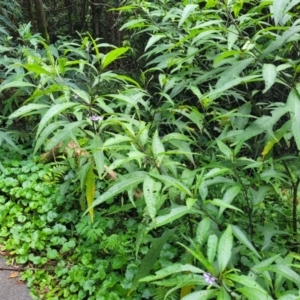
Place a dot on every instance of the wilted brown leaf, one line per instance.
(13, 275)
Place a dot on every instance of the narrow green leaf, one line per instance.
(168, 180)
(251, 293)
(295, 116)
(17, 84)
(265, 263)
(158, 149)
(228, 197)
(37, 69)
(246, 281)
(186, 13)
(49, 130)
(224, 149)
(225, 248)
(28, 109)
(212, 244)
(98, 154)
(6, 137)
(202, 232)
(112, 56)
(223, 295)
(283, 270)
(53, 111)
(170, 270)
(278, 10)
(269, 74)
(174, 214)
(203, 295)
(126, 183)
(90, 187)
(224, 205)
(197, 253)
(232, 37)
(154, 39)
(151, 189)
(280, 40)
(64, 135)
(240, 235)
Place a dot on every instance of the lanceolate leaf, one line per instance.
(168, 180)
(186, 13)
(197, 253)
(283, 270)
(269, 75)
(229, 195)
(15, 84)
(203, 295)
(28, 109)
(240, 235)
(112, 56)
(126, 183)
(212, 243)
(225, 248)
(90, 187)
(295, 116)
(174, 214)
(49, 130)
(54, 110)
(170, 270)
(151, 190)
(251, 293)
(158, 149)
(203, 231)
(98, 154)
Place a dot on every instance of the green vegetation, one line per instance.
(165, 168)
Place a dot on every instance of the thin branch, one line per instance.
(100, 4)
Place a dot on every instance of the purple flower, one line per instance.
(95, 118)
(209, 278)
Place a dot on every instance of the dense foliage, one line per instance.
(176, 179)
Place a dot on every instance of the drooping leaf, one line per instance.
(228, 197)
(284, 271)
(28, 109)
(126, 183)
(112, 56)
(53, 111)
(170, 270)
(168, 180)
(174, 214)
(14, 84)
(240, 235)
(49, 130)
(224, 205)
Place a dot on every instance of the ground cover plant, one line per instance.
(180, 181)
